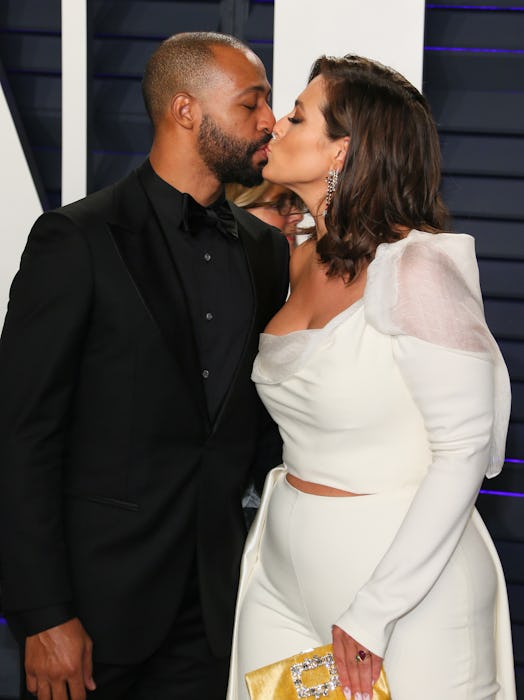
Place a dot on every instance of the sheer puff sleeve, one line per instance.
(424, 292)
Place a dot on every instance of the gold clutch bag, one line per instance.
(311, 674)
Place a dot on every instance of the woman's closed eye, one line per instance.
(294, 120)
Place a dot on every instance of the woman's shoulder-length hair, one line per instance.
(390, 179)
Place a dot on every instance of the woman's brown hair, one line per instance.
(391, 174)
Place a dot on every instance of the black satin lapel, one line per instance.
(259, 264)
(154, 273)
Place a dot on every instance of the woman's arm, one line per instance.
(429, 302)
(454, 392)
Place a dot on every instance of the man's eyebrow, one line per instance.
(264, 89)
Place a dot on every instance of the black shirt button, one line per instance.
(205, 373)
(209, 316)
(207, 257)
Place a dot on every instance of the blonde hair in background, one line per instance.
(244, 196)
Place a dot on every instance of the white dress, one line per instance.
(404, 397)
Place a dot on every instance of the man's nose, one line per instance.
(267, 119)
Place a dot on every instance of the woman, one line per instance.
(393, 401)
(274, 204)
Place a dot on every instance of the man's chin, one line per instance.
(257, 179)
(251, 179)
(253, 176)
(259, 164)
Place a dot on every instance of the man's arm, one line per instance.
(60, 657)
(40, 351)
(269, 445)
(269, 449)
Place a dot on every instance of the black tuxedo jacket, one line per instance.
(111, 472)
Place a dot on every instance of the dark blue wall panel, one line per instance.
(30, 55)
(474, 80)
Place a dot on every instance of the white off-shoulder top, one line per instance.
(406, 386)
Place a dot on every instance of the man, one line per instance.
(129, 427)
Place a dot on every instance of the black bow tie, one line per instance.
(218, 215)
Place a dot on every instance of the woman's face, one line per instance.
(301, 154)
(279, 209)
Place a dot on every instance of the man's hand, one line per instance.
(57, 659)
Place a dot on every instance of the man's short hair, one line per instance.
(181, 64)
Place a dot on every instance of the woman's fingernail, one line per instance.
(358, 696)
(366, 696)
(347, 693)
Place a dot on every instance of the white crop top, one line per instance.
(406, 386)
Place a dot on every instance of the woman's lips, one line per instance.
(263, 151)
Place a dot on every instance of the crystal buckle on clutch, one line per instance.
(310, 663)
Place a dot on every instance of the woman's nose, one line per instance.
(295, 217)
(279, 128)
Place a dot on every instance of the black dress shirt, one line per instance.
(216, 280)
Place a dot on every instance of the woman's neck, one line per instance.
(320, 226)
(315, 200)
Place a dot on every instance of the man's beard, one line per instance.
(228, 157)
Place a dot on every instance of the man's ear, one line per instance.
(185, 110)
(341, 153)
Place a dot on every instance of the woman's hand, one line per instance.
(356, 677)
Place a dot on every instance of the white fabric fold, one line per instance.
(427, 286)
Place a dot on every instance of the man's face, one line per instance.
(237, 120)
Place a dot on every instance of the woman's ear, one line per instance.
(341, 152)
(184, 110)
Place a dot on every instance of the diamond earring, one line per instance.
(332, 181)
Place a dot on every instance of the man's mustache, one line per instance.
(261, 142)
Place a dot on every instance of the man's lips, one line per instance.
(264, 147)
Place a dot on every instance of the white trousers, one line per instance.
(316, 552)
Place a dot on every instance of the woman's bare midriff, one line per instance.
(318, 489)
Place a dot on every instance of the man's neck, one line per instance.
(187, 173)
